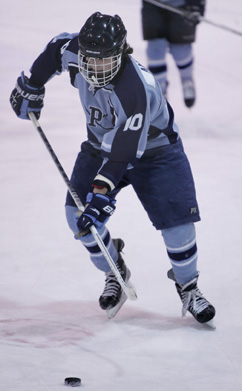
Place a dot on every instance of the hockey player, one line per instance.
(132, 139)
(166, 31)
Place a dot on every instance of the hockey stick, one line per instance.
(187, 14)
(129, 290)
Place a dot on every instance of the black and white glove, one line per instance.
(97, 212)
(195, 9)
(25, 98)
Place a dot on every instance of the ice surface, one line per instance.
(51, 326)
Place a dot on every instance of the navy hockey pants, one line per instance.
(163, 182)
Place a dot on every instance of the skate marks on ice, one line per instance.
(69, 322)
(49, 325)
(150, 320)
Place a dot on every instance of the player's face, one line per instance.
(99, 71)
(101, 66)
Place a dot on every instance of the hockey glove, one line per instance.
(196, 9)
(97, 212)
(25, 98)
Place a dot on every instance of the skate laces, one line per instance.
(193, 301)
(112, 286)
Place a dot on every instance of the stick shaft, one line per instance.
(131, 294)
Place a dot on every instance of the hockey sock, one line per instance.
(156, 53)
(88, 241)
(182, 251)
(183, 57)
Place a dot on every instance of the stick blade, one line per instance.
(132, 295)
(132, 292)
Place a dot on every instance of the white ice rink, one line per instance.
(51, 325)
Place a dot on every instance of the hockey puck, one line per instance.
(72, 381)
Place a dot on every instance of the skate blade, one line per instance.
(113, 311)
(210, 324)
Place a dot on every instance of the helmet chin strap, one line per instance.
(94, 79)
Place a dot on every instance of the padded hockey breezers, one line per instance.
(112, 290)
(193, 300)
(189, 93)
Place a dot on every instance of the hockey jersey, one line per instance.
(124, 118)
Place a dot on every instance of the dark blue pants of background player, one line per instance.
(163, 182)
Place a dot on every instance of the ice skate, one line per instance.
(112, 293)
(193, 300)
(189, 93)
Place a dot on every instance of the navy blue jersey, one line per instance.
(124, 119)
